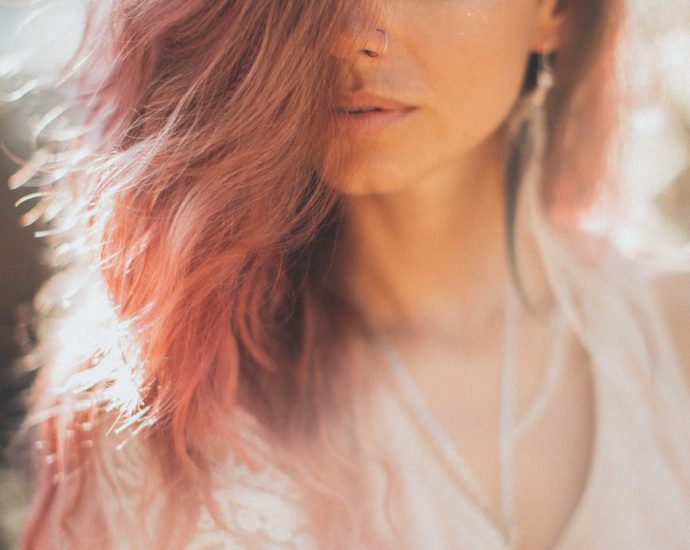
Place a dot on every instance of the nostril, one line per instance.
(357, 38)
(376, 53)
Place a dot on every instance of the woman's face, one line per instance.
(455, 67)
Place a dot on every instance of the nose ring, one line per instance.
(372, 53)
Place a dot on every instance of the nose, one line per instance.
(360, 38)
(375, 53)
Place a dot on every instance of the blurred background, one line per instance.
(37, 37)
(33, 44)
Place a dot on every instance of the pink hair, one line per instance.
(194, 191)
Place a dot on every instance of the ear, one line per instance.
(548, 32)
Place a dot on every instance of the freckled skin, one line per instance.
(462, 64)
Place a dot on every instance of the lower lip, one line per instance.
(361, 124)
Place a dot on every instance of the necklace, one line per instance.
(508, 428)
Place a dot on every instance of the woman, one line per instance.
(324, 288)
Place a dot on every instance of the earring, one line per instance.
(545, 79)
(527, 140)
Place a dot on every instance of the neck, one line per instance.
(431, 257)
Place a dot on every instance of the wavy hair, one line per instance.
(191, 232)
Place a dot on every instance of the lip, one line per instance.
(369, 99)
(390, 111)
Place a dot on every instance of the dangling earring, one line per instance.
(526, 145)
(527, 123)
(545, 79)
(537, 117)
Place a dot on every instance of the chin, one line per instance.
(361, 178)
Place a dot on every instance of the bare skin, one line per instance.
(423, 251)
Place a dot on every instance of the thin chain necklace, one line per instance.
(507, 412)
(508, 428)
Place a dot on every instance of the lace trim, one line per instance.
(258, 509)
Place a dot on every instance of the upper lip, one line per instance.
(353, 100)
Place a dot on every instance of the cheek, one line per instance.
(476, 86)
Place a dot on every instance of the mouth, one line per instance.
(368, 121)
(358, 110)
(364, 101)
(364, 113)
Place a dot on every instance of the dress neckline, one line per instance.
(493, 524)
